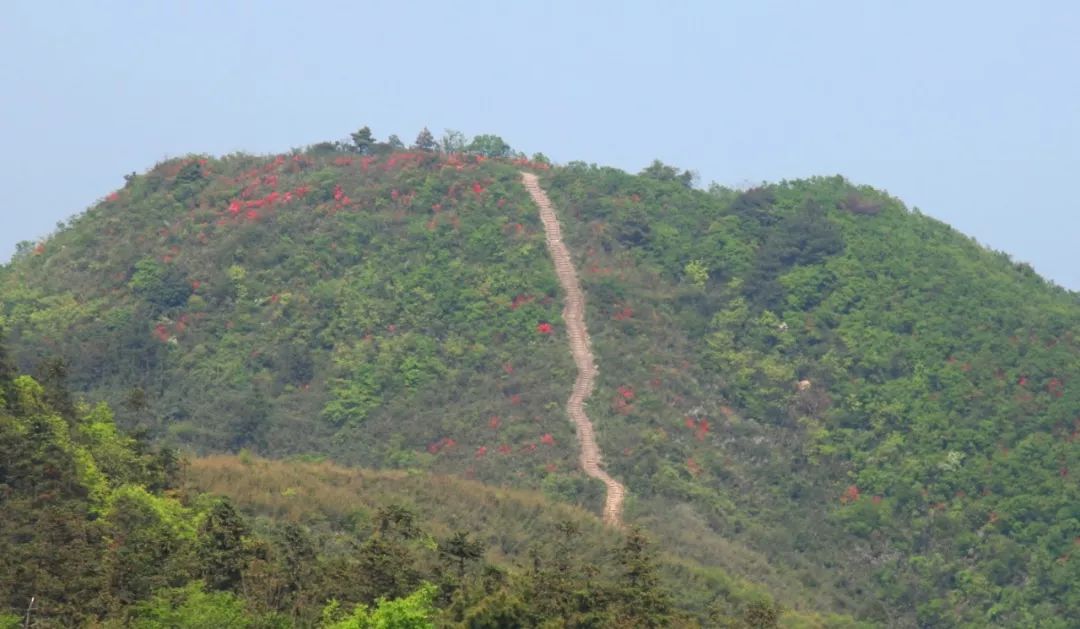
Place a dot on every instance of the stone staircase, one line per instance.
(580, 348)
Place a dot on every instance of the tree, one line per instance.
(662, 172)
(425, 141)
(697, 273)
(459, 548)
(395, 142)
(161, 286)
(415, 611)
(148, 548)
(642, 599)
(362, 140)
(489, 146)
(190, 607)
(453, 141)
(221, 549)
(7, 370)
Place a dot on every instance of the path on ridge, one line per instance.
(580, 348)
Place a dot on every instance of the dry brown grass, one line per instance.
(327, 494)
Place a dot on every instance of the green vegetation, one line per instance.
(803, 385)
(87, 539)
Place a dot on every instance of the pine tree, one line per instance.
(221, 550)
(425, 141)
(362, 140)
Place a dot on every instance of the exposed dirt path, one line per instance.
(574, 315)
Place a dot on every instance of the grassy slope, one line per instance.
(332, 499)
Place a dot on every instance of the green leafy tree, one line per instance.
(161, 286)
(415, 611)
(663, 172)
(362, 140)
(190, 607)
(697, 273)
(489, 146)
(452, 141)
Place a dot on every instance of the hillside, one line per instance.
(99, 529)
(878, 410)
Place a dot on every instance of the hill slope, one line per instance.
(882, 408)
(96, 531)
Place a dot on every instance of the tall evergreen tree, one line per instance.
(221, 550)
(425, 141)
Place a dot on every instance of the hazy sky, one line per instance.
(968, 110)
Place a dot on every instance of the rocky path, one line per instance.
(578, 334)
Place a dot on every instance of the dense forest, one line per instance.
(803, 385)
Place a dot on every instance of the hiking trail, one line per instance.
(580, 348)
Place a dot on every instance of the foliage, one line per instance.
(489, 146)
(190, 607)
(414, 611)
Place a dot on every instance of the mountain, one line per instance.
(805, 383)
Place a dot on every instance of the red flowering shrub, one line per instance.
(494, 422)
(544, 328)
(547, 439)
(481, 451)
(851, 494)
(626, 392)
(699, 426)
(442, 444)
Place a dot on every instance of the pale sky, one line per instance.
(969, 110)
